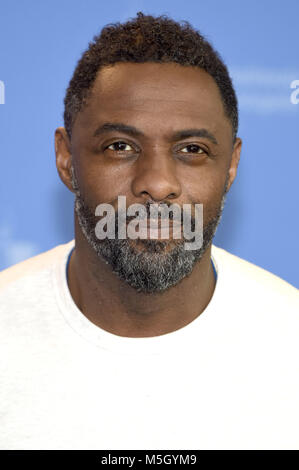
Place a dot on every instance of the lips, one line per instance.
(160, 223)
(158, 228)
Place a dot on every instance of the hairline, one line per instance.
(88, 92)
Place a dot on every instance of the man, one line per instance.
(139, 343)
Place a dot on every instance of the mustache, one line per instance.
(158, 211)
(150, 211)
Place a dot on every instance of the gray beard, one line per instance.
(151, 269)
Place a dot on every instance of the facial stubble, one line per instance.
(155, 267)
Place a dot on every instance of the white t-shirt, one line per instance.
(227, 380)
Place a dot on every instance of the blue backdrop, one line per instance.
(40, 43)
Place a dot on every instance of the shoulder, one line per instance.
(28, 295)
(257, 313)
(246, 277)
(32, 267)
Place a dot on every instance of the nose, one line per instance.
(155, 178)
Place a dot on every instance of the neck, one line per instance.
(113, 305)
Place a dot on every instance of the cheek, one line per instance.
(208, 192)
(101, 183)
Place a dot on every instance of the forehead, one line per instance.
(157, 96)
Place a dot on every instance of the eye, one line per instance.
(193, 148)
(120, 146)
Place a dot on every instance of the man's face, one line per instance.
(152, 160)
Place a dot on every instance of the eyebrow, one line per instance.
(134, 132)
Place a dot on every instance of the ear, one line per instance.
(232, 172)
(63, 157)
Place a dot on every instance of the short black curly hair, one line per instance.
(148, 39)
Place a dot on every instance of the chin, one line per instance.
(153, 245)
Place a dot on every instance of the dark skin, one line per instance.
(159, 100)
